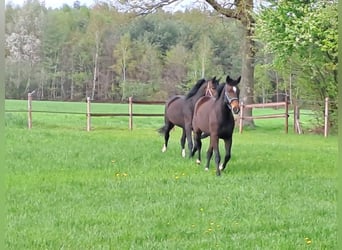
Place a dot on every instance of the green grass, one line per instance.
(112, 188)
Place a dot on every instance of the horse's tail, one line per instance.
(162, 130)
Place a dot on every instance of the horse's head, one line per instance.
(211, 86)
(232, 93)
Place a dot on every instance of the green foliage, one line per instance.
(302, 40)
(156, 29)
(306, 32)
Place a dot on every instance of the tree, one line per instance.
(122, 54)
(23, 46)
(302, 38)
(175, 71)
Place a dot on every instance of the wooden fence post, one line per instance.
(298, 129)
(88, 114)
(295, 112)
(241, 117)
(286, 115)
(326, 116)
(29, 110)
(130, 111)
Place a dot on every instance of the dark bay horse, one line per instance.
(179, 111)
(214, 117)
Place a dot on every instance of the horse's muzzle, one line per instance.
(236, 110)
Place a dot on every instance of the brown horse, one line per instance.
(214, 117)
(179, 111)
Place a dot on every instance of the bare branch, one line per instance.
(228, 11)
(147, 7)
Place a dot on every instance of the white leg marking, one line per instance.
(221, 166)
(206, 169)
(183, 152)
(164, 148)
(198, 161)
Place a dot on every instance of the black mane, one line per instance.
(219, 89)
(195, 88)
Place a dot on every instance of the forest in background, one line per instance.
(76, 51)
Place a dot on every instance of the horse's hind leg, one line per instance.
(168, 127)
(197, 146)
(182, 141)
(228, 146)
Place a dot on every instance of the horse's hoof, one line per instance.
(183, 153)
(198, 161)
(164, 149)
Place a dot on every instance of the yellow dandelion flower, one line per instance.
(308, 240)
(117, 174)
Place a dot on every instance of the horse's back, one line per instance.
(174, 110)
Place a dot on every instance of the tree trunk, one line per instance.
(242, 11)
(247, 83)
(95, 65)
(72, 80)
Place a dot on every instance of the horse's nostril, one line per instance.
(236, 110)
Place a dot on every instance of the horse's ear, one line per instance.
(228, 79)
(214, 79)
(238, 80)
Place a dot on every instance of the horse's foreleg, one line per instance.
(182, 142)
(194, 149)
(209, 155)
(214, 142)
(199, 146)
(188, 132)
(228, 146)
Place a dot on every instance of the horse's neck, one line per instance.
(198, 95)
(224, 107)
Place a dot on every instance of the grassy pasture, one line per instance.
(113, 189)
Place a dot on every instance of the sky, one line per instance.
(59, 3)
(54, 3)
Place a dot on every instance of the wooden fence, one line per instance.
(242, 116)
(284, 115)
(130, 113)
(297, 114)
